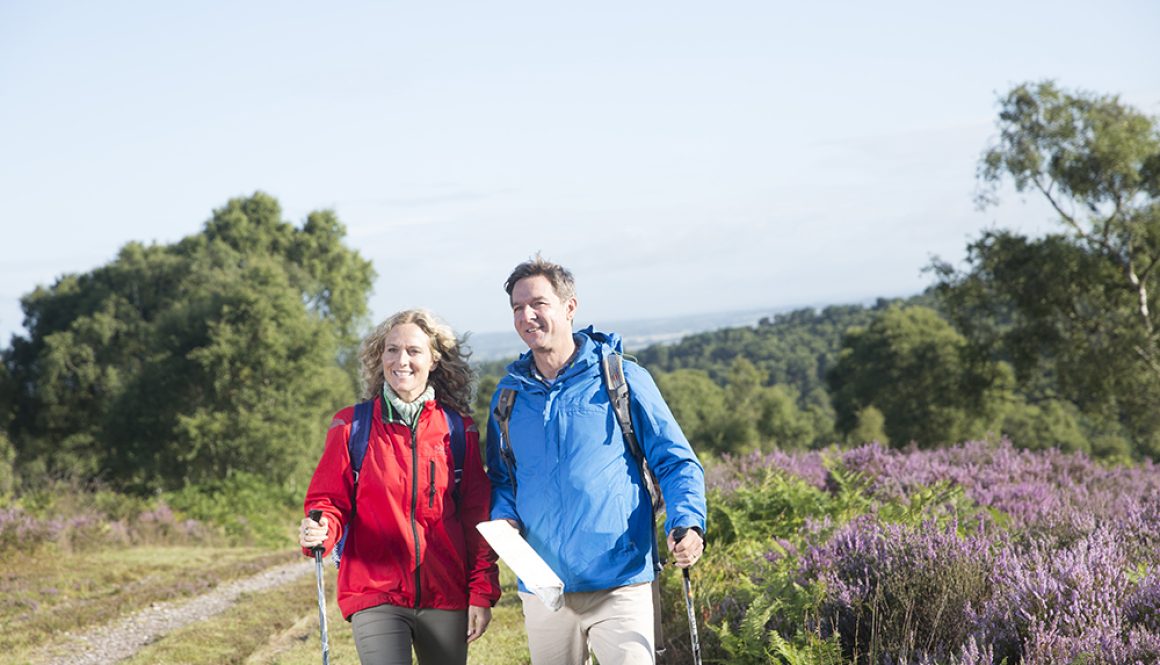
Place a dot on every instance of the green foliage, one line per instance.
(246, 506)
(869, 427)
(1075, 312)
(1052, 424)
(780, 423)
(913, 367)
(771, 504)
(741, 417)
(749, 643)
(815, 651)
(699, 406)
(1068, 332)
(8, 478)
(481, 409)
(177, 364)
(939, 505)
(793, 349)
(749, 588)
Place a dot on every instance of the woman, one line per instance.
(414, 570)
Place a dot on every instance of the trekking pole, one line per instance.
(317, 515)
(678, 534)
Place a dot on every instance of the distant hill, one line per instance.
(638, 334)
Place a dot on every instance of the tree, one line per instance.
(741, 417)
(1097, 162)
(178, 364)
(1051, 424)
(780, 423)
(913, 367)
(1052, 310)
(869, 426)
(793, 348)
(1073, 312)
(697, 403)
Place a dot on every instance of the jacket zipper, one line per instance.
(414, 506)
(431, 498)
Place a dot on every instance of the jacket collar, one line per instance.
(389, 414)
(591, 345)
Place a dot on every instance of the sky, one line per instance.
(679, 157)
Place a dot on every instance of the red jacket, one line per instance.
(410, 544)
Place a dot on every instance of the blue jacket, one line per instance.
(580, 500)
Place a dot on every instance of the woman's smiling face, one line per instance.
(407, 360)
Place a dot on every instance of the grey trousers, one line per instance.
(385, 634)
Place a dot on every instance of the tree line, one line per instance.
(182, 364)
(226, 352)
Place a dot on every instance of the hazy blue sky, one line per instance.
(679, 156)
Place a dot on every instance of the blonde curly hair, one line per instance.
(452, 377)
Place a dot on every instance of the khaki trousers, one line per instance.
(616, 623)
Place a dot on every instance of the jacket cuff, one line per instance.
(479, 600)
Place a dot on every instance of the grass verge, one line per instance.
(280, 627)
(50, 594)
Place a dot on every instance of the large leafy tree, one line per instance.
(182, 363)
(913, 368)
(1074, 311)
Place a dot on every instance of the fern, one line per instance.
(815, 651)
(748, 645)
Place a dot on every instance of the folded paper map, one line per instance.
(537, 577)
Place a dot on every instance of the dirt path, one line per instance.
(124, 637)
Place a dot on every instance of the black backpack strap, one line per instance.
(620, 398)
(502, 414)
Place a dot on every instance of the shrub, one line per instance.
(70, 518)
(1073, 603)
(898, 592)
(248, 508)
(979, 554)
(8, 480)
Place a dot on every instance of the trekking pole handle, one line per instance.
(678, 534)
(316, 515)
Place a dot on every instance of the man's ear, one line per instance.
(570, 307)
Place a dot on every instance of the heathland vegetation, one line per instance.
(963, 477)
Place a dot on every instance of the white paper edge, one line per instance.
(533, 571)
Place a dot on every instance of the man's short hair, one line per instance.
(557, 275)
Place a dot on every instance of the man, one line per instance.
(578, 496)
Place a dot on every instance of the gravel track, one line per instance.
(123, 638)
